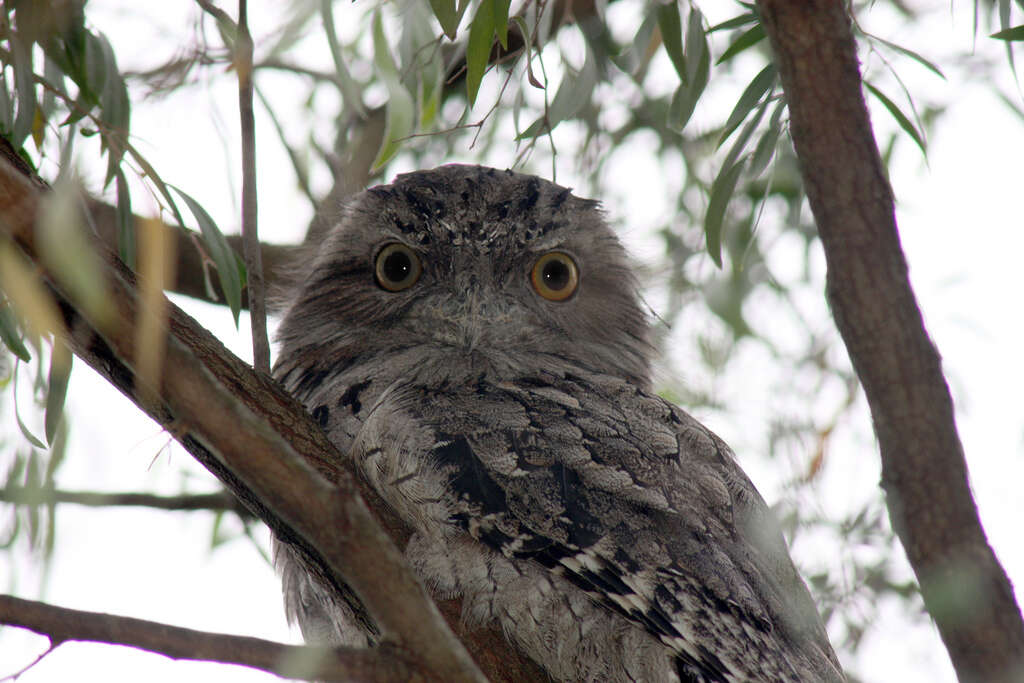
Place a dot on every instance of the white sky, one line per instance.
(961, 228)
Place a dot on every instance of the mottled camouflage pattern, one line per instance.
(612, 536)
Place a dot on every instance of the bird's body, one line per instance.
(472, 339)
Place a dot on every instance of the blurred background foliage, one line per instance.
(674, 118)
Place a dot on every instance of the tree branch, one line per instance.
(61, 624)
(210, 502)
(924, 472)
(257, 440)
(250, 234)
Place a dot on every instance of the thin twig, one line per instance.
(186, 502)
(250, 235)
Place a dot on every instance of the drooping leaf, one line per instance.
(125, 222)
(722, 190)
(60, 372)
(765, 149)
(755, 90)
(748, 39)
(26, 89)
(449, 15)
(913, 55)
(573, 93)
(9, 334)
(671, 27)
(1015, 33)
(223, 256)
(740, 143)
(735, 22)
(399, 116)
(698, 55)
(900, 117)
(501, 8)
(478, 49)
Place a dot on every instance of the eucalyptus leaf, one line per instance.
(671, 27)
(24, 81)
(900, 117)
(478, 49)
(400, 113)
(125, 222)
(755, 90)
(1015, 33)
(223, 256)
(698, 54)
(449, 15)
(765, 149)
(60, 372)
(748, 39)
(722, 190)
(9, 334)
(735, 22)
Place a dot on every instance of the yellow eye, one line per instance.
(555, 276)
(397, 267)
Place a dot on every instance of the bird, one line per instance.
(473, 339)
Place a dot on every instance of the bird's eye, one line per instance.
(555, 276)
(397, 268)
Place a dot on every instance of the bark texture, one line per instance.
(924, 473)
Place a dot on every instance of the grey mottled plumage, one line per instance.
(612, 536)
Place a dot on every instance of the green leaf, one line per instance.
(115, 108)
(671, 28)
(26, 91)
(125, 222)
(741, 140)
(6, 105)
(900, 117)
(765, 149)
(60, 372)
(681, 108)
(478, 49)
(1015, 33)
(29, 436)
(748, 39)
(501, 21)
(400, 114)
(9, 334)
(449, 15)
(762, 83)
(632, 60)
(698, 55)
(735, 22)
(149, 172)
(220, 251)
(574, 92)
(913, 55)
(722, 190)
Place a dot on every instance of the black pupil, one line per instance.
(397, 266)
(555, 275)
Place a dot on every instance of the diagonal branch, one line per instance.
(61, 625)
(259, 442)
(924, 472)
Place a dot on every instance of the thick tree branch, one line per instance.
(209, 502)
(924, 472)
(61, 625)
(259, 442)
